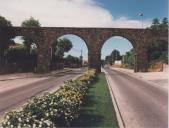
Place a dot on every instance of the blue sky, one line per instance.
(87, 13)
(130, 8)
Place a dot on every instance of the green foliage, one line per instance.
(59, 47)
(103, 62)
(157, 25)
(18, 60)
(164, 24)
(72, 59)
(128, 59)
(31, 22)
(164, 57)
(115, 55)
(4, 22)
(158, 51)
(52, 109)
(108, 60)
(3, 43)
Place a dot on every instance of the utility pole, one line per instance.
(81, 58)
(81, 52)
(116, 55)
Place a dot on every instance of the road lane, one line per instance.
(141, 104)
(14, 97)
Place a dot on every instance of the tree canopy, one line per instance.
(4, 22)
(158, 51)
(72, 59)
(128, 59)
(31, 22)
(5, 42)
(159, 25)
(115, 55)
(59, 47)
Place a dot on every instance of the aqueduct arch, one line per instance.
(78, 40)
(116, 43)
(94, 38)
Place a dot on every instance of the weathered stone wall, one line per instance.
(94, 39)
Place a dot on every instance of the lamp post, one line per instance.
(135, 55)
(141, 15)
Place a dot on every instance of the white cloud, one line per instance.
(64, 13)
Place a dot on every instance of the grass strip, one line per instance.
(98, 110)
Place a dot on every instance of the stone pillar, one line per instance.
(43, 63)
(94, 60)
(141, 60)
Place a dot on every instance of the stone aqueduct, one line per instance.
(94, 38)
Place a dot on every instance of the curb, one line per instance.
(38, 76)
(116, 107)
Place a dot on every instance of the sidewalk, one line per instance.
(30, 75)
(157, 78)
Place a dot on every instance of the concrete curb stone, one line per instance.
(114, 100)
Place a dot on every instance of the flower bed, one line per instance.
(61, 106)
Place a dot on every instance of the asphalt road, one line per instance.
(141, 104)
(12, 98)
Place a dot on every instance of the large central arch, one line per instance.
(121, 44)
(120, 38)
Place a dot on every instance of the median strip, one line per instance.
(83, 102)
(98, 110)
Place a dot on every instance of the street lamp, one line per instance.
(141, 15)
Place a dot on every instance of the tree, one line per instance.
(156, 24)
(164, 57)
(108, 60)
(115, 55)
(158, 51)
(128, 59)
(31, 22)
(59, 47)
(72, 59)
(4, 42)
(4, 22)
(164, 24)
